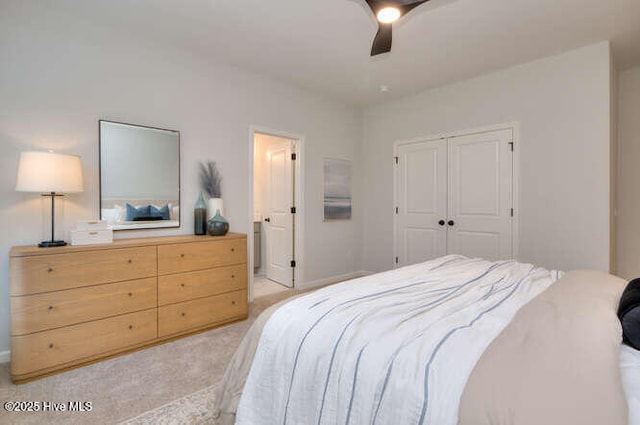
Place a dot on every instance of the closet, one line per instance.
(455, 195)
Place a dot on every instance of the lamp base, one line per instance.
(51, 244)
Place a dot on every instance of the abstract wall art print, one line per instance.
(337, 189)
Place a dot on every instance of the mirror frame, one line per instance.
(149, 224)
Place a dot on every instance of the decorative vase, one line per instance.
(200, 217)
(215, 204)
(217, 225)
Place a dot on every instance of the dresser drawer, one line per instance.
(179, 287)
(191, 315)
(34, 313)
(43, 350)
(44, 273)
(176, 258)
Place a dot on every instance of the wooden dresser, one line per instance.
(77, 304)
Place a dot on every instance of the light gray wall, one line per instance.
(628, 205)
(59, 77)
(562, 106)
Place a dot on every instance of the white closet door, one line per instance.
(480, 195)
(421, 197)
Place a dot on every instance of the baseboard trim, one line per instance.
(332, 279)
(5, 356)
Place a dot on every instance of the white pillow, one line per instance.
(109, 214)
(120, 212)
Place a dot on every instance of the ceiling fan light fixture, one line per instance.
(388, 14)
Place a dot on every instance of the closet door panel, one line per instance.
(480, 195)
(421, 191)
(421, 245)
(477, 244)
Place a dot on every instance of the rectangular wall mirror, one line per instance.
(139, 176)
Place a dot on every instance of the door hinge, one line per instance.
(293, 210)
(294, 156)
(397, 210)
(396, 159)
(511, 145)
(293, 263)
(397, 261)
(511, 212)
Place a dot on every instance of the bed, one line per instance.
(449, 341)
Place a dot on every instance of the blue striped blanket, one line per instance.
(391, 348)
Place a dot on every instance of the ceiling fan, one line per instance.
(387, 12)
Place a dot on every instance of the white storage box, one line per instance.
(88, 237)
(92, 225)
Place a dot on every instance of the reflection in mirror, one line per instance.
(139, 176)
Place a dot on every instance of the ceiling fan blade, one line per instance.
(372, 5)
(382, 40)
(405, 8)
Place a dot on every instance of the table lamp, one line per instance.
(50, 174)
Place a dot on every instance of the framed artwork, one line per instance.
(337, 189)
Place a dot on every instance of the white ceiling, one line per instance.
(324, 45)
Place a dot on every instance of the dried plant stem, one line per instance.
(210, 179)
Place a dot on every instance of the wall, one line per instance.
(613, 165)
(628, 206)
(58, 77)
(562, 106)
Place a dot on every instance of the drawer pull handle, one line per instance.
(233, 250)
(130, 326)
(181, 255)
(233, 302)
(50, 308)
(130, 261)
(233, 276)
(183, 314)
(50, 345)
(49, 270)
(130, 294)
(182, 285)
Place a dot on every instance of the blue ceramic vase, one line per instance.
(217, 225)
(200, 217)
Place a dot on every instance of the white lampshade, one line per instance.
(49, 172)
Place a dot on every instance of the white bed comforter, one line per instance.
(393, 348)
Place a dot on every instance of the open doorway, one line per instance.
(275, 223)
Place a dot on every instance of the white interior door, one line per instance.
(421, 199)
(279, 221)
(479, 223)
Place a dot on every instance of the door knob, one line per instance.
(441, 222)
(451, 223)
(268, 220)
